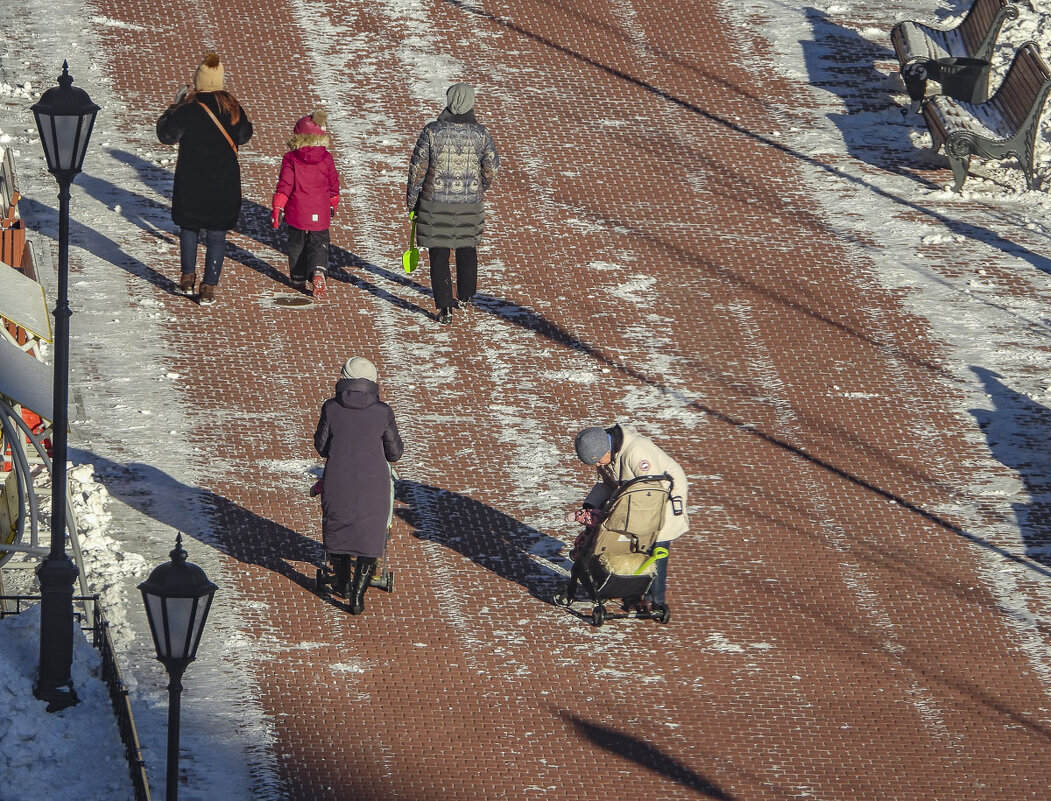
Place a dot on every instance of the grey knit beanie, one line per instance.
(360, 367)
(592, 444)
(460, 97)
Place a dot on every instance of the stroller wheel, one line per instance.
(662, 613)
(390, 582)
(560, 599)
(321, 581)
(598, 615)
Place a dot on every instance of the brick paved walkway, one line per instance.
(651, 254)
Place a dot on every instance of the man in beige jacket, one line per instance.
(620, 454)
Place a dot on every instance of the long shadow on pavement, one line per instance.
(645, 755)
(486, 536)
(1017, 429)
(209, 517)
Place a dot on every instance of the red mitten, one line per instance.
(277, 206)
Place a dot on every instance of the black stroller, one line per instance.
(617, 558)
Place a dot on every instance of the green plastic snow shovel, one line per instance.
(411, 257)
(658, 553)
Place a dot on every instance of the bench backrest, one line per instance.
(981, 26)
(1024, 87)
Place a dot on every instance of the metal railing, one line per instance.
(118, 690)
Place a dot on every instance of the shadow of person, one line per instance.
(645, 755)
(44, 220)
(1017, 430)
(344, 265)
(874, 128)
(489, 538)
(209, 517)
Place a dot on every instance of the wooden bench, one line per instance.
(1004, 125)
(12, 231)
(919, 47)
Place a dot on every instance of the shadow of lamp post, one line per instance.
(178, 596)
(65, 116)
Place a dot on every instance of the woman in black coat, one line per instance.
(359, 438)
(209, 125)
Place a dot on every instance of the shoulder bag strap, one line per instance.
(218, 125)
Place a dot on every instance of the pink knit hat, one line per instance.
(313, 124)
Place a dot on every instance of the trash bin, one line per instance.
(966, 79)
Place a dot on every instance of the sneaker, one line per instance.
(186, 282)
(320, 286)
(445, 315)
(207, 297)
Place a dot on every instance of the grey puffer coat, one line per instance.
(358, 436)
(453, 164)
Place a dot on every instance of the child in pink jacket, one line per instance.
(308, 193)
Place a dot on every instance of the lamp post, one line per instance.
(178, 596)
(65, 116)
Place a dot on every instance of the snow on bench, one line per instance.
(1004, 125)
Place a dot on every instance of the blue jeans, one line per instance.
(660, 581)
(214, 252)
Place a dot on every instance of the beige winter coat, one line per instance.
(639, 456)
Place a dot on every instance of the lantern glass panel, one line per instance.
(198, 624)
(68, 140)
(158, 623)
(180, 617)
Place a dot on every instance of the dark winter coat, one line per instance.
(358, 436)
(452, 165)
(309, 180)
(207, 191)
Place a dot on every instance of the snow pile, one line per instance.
(75, 752)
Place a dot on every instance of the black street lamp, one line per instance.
(65, 116)
(178, 596)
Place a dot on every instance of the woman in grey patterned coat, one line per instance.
(452, 165)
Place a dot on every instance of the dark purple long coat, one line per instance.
(358, 436)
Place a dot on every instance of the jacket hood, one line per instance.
(299, 141)
(357, 393)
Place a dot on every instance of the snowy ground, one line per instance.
(997, 333)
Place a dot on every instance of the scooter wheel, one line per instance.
(598, 615)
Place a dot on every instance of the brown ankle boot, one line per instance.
(186, 282)
(207, 294)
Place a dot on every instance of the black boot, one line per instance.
(340, 574)
(364, 567)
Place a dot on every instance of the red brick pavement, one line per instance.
(832, 636)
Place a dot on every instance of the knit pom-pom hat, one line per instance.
(209, 76)
(313, 124)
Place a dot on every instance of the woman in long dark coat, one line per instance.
(209, 125)
(359, 438)
(452, 166)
